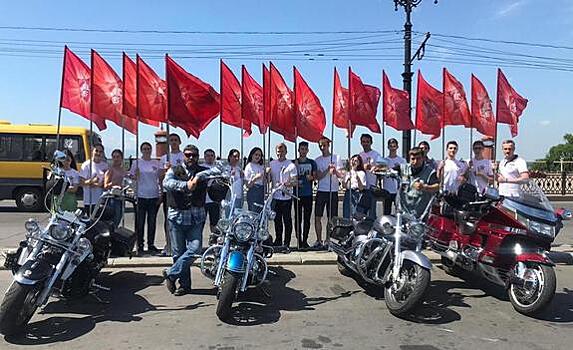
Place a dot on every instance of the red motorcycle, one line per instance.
(502, 239)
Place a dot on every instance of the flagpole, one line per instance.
(137, 115)
(383, 122)
(297, 218)
(332, 119)
(61, 98)
(472, 118)
(168, 155)
(91, 123)
(349, 113)
(123, 131)
(221, 109)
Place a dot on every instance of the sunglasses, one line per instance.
(191, 155)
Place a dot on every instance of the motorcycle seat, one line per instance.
(363, 227)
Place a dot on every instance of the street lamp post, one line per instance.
(408, 5)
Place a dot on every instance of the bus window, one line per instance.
(33, 148)
(73, 143)
(10, 147)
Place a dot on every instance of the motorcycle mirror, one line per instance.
(566, 214)
(59, 156)
(491, 193)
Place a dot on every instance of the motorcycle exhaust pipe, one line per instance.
(338, 249)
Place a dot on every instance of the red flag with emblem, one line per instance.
(151, 93)
(252, 98)
(429, 108)
(482, 113)
(282, 109)
(192, 103)
(363, 102)
(456, 109)
(340, 106)
(130, 91)
(310, 117)
(76, 88)
(509, 104)
(266, 99)
(107, 91)
(395, 106)
(231, 113)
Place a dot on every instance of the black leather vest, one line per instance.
(185, 200)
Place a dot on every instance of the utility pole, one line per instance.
(408, 6)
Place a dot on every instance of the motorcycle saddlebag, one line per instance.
(339, 228)
(122, 242)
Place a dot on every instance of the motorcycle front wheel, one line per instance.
(403, 296)
(18, 307)
(227, 292)
(536, 293)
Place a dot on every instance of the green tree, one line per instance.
(553, 158)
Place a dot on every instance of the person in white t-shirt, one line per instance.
(69, 201)
(146, 172)
(176, 157)
(92, 175)
(234, 158)
(212, 208)
(254, 180)
(282, 171)
(369, 158)
(390, 185)
(512, 171)
(329, 170)
(451, 170)
(480, 171)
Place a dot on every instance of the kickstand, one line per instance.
(272, 273)
(96, 288)
(98, 299)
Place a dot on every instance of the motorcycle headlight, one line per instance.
(417, 229)
(60, 231)
(541, 228)
(84, 244)
(223, 225)
(243, 231)
(31, 226)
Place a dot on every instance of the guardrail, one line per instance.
(554, 183)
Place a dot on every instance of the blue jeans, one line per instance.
(255, 194)
(117, 211)
(186, 241)
(373, 201)
(355, 201)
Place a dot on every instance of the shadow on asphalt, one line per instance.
(561, 308)
(122, 304)
(262, 309)
(561, 257)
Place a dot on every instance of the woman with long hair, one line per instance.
(69, 200)
(237, 173)
(254, 179)
(354, 183)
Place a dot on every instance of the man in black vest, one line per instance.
(186, 214)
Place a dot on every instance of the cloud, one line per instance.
(545, 122)
(509, 8)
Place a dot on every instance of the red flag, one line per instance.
(231, 101)
(340, 106)
(510, 104)
(252, 98)
(76, 86)
(363, 102)
(456, 110)
(282, 109)
(310, 117)
(429, 108)
(151, 93)
(395, 106)
(130, 91)
(482, 113)
(193, 104)
(107, 94)
(266, 99)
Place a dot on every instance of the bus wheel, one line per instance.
(29, 199)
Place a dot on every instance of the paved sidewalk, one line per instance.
(562, 254)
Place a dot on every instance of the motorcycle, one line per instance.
(502, 239)
(387, 252)
(64, 257)
(238, 256)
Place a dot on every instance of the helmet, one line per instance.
(217, 191)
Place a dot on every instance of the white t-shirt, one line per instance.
(353, 181)
(92, 193)
(370, 157)
(482, 166)
(174, 158)
(325, 184)
(282, 172)
(237, 174)
(251, 170)
(511, 170)
(452, 170)
(391, 185)
(148, 180)
(73, 175)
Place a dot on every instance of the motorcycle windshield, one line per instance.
(532, 202)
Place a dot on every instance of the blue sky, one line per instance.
(30, 86)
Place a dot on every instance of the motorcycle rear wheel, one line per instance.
(417, 280)
(227, 292)
(543, 294)
(18, 307)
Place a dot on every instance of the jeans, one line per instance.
(283, 210)
(167, 247)
(373, 202)
(303, 221)
(186, 241)
(146, 207)
(255, 194)
(388, 204)
(117, 206)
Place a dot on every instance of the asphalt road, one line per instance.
(312, 307)
(12, 226)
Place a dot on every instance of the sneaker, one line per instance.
(317, 245)
(169, 283)
(304, 245)
(182, 291)
(153, 250)
(277, 243)
(165, 253)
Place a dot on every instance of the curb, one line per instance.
(560, 255)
